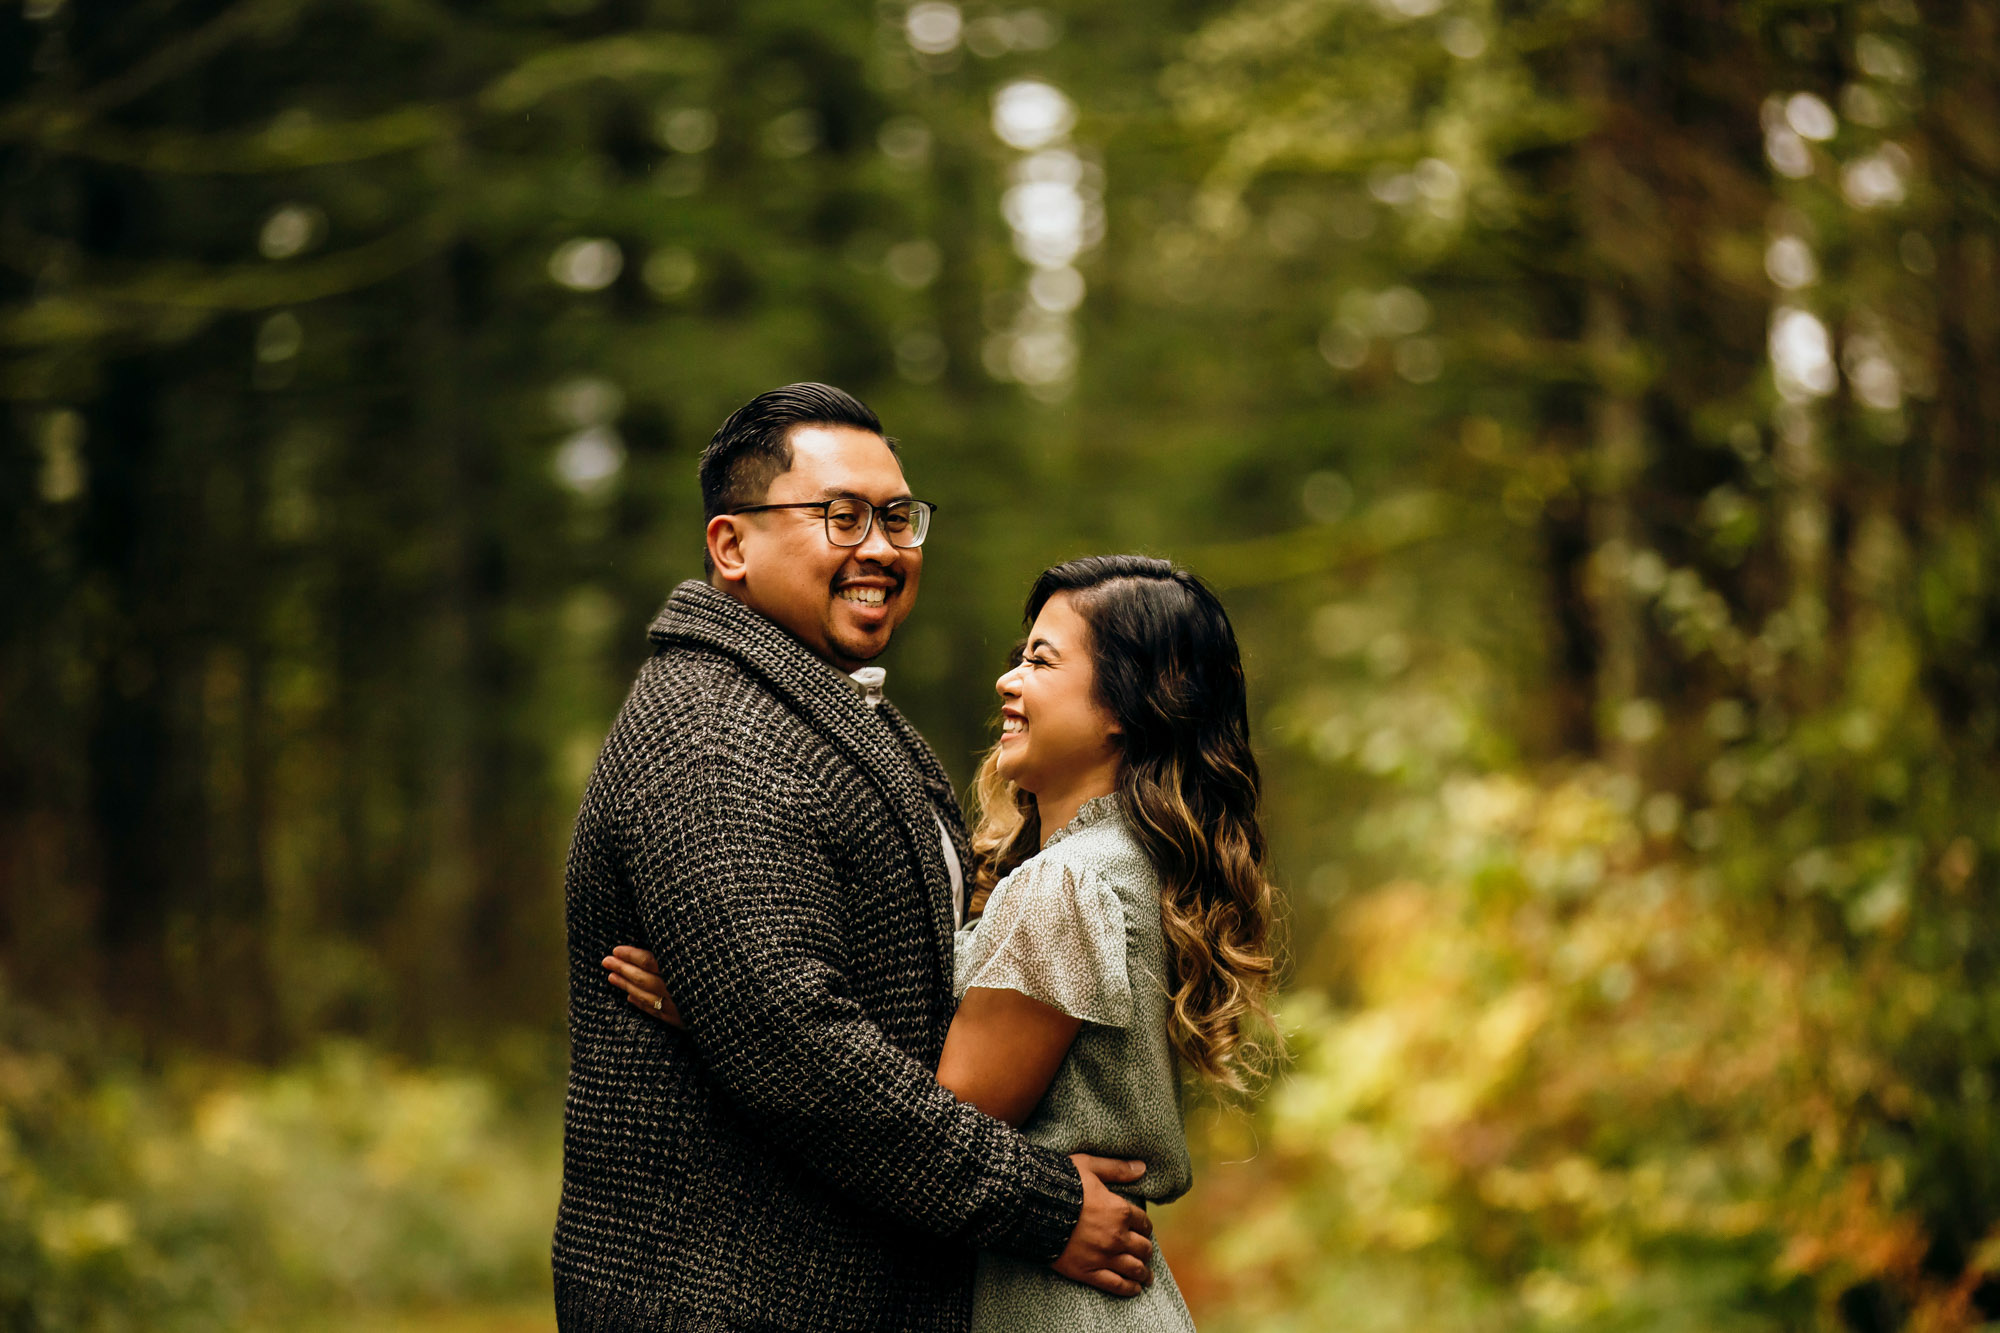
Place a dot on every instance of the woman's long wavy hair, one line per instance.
(1169, 673)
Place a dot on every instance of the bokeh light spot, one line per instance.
(289, 231)
(1801, 354)
(913, 264)
(280, 337)
(687, 129)
(1057, 290)
(1789, 263)
(1029, 114)
(587, 264)
(1810, 117)
(933, 28)
(905, 141)
(589, 461)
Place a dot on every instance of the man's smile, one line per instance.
(871, 592)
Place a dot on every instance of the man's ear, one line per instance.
(725, 547)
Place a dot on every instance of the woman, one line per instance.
(1131, 939)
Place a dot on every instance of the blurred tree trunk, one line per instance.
(1955, 513)
(1609, 199)
(436, 952)
(1961, 134)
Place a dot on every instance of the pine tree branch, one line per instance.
(289, 145)
(82, 313)
(1393, 524)
(280, 147)
(48, 118)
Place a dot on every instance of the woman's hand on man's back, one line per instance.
(637, 973)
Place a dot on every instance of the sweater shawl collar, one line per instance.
(882, 744)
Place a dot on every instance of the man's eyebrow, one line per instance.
(845, 493)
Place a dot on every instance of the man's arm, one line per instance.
(742, 907)
(1001, 1053)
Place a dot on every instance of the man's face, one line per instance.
(842, 602)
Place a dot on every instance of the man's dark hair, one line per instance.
(754, 447)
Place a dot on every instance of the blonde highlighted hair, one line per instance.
(1168, 670)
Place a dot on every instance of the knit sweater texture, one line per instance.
(787, 1160)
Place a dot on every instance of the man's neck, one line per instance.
(735, 592)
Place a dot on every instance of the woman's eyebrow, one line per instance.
(1043, 645)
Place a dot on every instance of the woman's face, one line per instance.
(1054, 734)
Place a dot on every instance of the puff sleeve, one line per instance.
(1054, 933)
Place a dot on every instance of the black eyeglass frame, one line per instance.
(825, 507)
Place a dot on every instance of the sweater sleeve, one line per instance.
(737, 892)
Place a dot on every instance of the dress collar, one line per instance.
(1096, 810)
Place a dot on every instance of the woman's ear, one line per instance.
(725, 548)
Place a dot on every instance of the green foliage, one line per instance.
(208, 1196)
(357, 363)
(1586, 406)
(1568, 1079)
(1661, 1043)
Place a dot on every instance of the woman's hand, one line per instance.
(637, 973)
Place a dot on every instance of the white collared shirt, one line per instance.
(869, 681)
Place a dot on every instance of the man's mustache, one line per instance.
(842, 580)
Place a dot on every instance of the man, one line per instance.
(787, 1161)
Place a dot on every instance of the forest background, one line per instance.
(1587, 409)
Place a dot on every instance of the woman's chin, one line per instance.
(1009, 770)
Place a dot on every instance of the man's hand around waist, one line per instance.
(1110, 1249)
(1112, 1246)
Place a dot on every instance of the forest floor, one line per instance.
(538, 1317)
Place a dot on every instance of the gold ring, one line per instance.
(659, 1004)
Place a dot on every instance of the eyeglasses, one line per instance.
(850, 519)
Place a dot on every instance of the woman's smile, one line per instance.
(1057, 741)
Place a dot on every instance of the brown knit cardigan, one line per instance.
(788, 1161)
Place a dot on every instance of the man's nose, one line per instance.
(876, 546)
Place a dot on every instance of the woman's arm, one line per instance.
(1002, 1051)
(1000, 1054)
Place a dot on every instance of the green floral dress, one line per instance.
(1077, 926)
